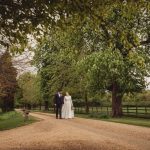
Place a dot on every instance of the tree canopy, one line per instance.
(20, 18)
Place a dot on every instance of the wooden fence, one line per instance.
(137, 111)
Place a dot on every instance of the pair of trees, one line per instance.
(8, 83)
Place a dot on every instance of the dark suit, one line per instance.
(58, 101)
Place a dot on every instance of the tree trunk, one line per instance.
(116, 101)
(4, 104)
(86, 103)
(40, 106)
(46, 105)
(11, 103)
(29, 106)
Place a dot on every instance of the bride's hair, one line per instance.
(67, 93)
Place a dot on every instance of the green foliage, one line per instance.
(140, 99)
(21, 18)
(29, 92)
(106, 67)
(108, 49)
(56, 59)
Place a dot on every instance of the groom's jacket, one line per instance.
(58, 100)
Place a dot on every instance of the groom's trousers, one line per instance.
(58, 111)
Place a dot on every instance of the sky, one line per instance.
(23, 62)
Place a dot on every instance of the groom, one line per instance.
(58, 101)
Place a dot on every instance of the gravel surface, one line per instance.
(75, 134)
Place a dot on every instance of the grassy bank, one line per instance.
(13, 119)
(124, 120)
(105, 117)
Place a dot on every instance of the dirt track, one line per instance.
(76, 134)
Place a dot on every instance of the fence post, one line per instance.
(136, 110)
(92, 109)
(127, 110)
(96, 109)
(107, 110)
(145, 110)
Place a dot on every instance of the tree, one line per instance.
(123, 62)
(30, 89)
(8, 83)
(55, 62)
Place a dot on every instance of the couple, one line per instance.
(64, 106)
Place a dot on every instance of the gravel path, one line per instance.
(75, 134)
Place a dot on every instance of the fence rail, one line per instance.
(137, 111)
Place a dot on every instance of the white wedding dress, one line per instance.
(67, 112)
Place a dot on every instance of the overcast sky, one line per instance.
(23, 62)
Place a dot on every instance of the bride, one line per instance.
(67, 109)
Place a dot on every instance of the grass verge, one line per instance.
(124, 120)
(13, 119)
(103, 116)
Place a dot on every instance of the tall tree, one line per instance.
(123, 62)
(30, 87)
(8, 83)
(55, 63)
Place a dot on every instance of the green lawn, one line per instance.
(125, 120)
(132, 121)
(13, 119)
(103, 116)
